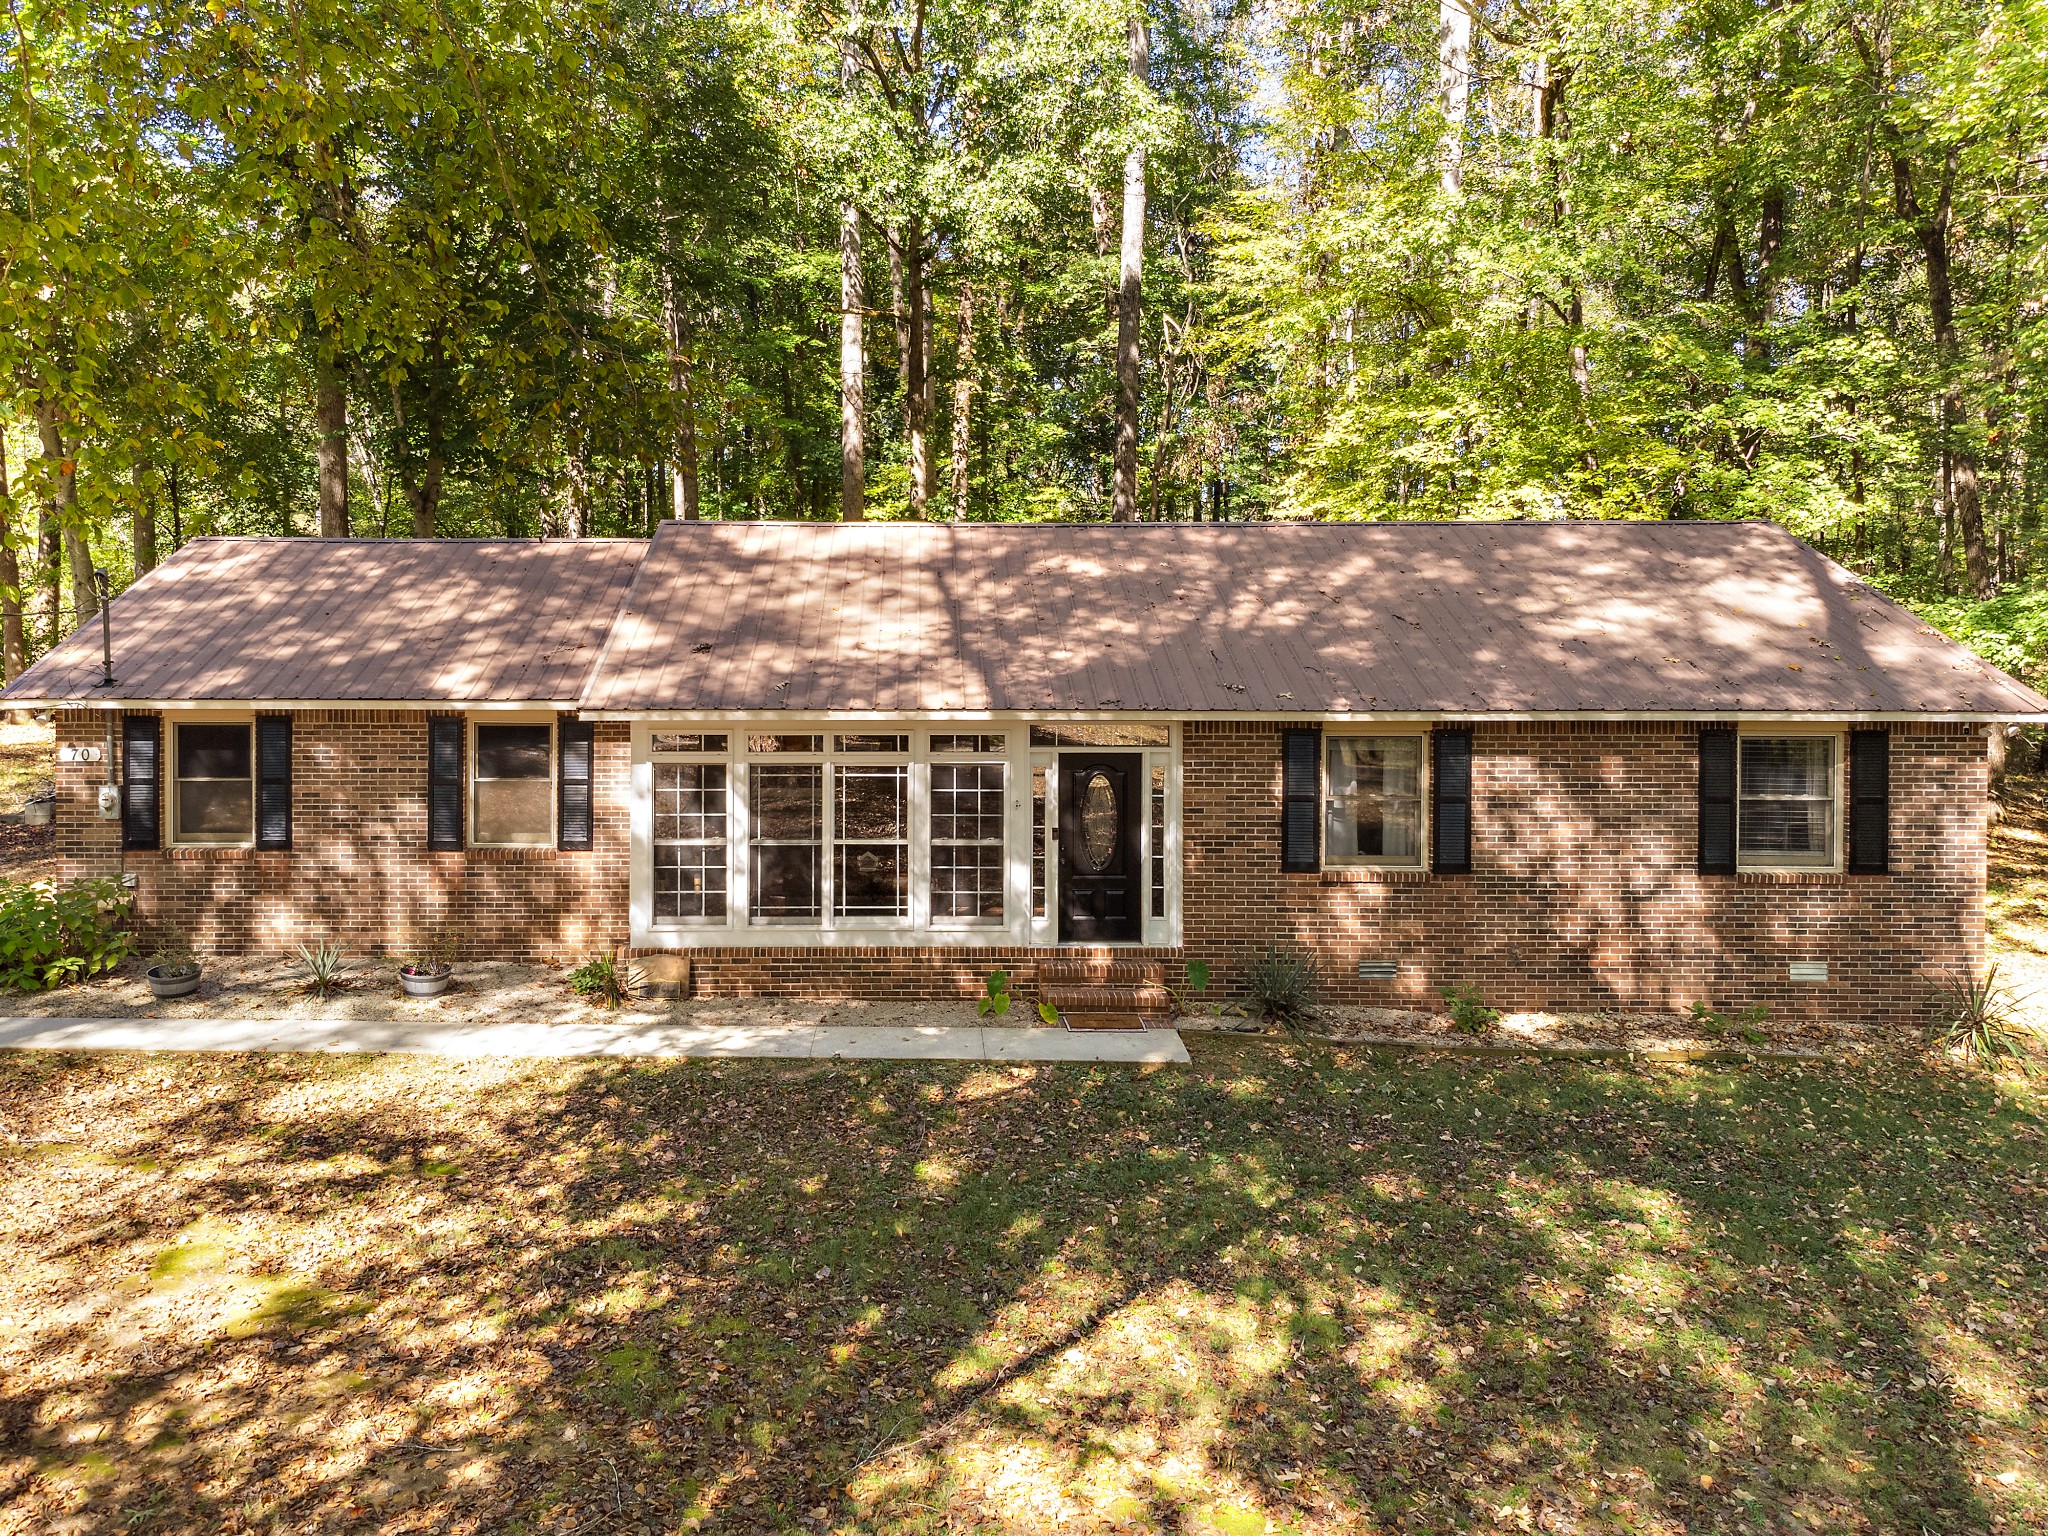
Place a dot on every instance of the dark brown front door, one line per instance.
(1100, 873)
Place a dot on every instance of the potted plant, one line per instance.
(426, 969)
(173, 968)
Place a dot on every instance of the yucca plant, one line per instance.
(323, 964)
(1976, 1016)
(605, 979)
(1283, 986)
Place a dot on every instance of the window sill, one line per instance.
(1791, 877)
(1372, 874)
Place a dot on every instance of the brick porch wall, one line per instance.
(1583, 891)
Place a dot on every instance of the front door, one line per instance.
(1101, 874)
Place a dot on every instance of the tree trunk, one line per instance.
(13, 647)
(1130, 284)
(853, 367)
(682, 388)
(1454, 73)
(330, 420)
(915, 390)
(144, 522)
(64, 519)
(1933, 230)
(963, 399)
(426, 502)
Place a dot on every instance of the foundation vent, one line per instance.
(1376, 970)
(1809, 970)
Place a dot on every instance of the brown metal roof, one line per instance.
(1295, 618)
(389, 620)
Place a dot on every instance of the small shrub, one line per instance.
(1469, 1015)
(172, 958)
(1975, 1015)
(1283, 986)
(995, 997)
(323, 964)
(51, 934)
(1715, 1025)
(1709, 1021)
(604, 979)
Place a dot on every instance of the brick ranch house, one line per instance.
(1570, 764)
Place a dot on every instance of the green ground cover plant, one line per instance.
(53, 933)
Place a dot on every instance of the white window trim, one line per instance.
(1838, 811)
(1373, 860)
(1018, 926)
(523, 717)
(174, 784)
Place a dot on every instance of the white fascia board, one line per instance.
(434, 706)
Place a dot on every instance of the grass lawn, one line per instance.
(1282, 1290)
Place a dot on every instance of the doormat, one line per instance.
(1123, 1021)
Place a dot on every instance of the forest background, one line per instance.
(418, 268)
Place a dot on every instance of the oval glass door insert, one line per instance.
(1098, 821)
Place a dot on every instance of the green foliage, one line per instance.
(1283, 986)
(323, 964)
(605, 979)
(995, 997)
(1198, 975)
(1469, 1015)
(51, 934)
(172, 958)
(1047, 1014)
(1978, 1017)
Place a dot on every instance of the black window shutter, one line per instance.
(273, 781)
(1870, 802)
(1717, 800)
(1450, 795)
(1301, 793)
(444, 781)
(142, 757)
(573, 745)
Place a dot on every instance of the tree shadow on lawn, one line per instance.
(1283, 1289)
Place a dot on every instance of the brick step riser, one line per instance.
(1108, 999)
(1124, 973)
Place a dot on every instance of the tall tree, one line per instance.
(1130, 284)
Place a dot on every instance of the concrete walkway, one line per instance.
(804, 1042)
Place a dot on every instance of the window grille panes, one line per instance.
(1038, 838)
(1374, 807)
(980, 745)
(785, 743)
(1100, 736)
(871, 840)
(513, 779)
(1787, 790)
(689, 741)
(787, 804)
(689, 841)
(1158, 840)
(213, 784)
(967, 842)
(871, 744)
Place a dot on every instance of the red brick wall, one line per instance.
(359, 870)
(1583, 891)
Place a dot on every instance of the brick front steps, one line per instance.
(1107, 994)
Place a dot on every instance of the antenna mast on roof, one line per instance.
(104, 586)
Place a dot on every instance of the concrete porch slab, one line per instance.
(621, 1040)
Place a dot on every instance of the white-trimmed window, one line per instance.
(212, 790)
(1373, 799)
(967, 843)
(785, 869)
(871, 836)
(1788, 802)
(690, 820)
(512, 785)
